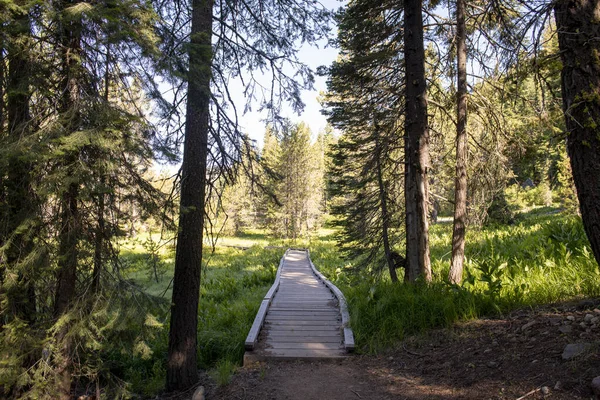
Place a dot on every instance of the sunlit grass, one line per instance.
(544, 257)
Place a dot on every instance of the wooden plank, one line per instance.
(287, 329)
(292, 317)
(303, 323)
(302, 333)
(291, 301)
(252, 337)
(304, 339)
(299, 310)
(308, 313)
(306, 346)
(298, 353)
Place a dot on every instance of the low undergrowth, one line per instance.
(233, 283)
(541, 259)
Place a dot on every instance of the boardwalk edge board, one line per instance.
(348, 334)
(259, 320)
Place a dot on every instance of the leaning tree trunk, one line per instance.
(578, 26)
(460, 189)
(182, 371)
(416, 145)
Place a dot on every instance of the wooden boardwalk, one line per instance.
(302, 316)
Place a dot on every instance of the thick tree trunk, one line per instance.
(416, 145)
(385, 219)
(460, 189)
(181, 366)
(578, 25)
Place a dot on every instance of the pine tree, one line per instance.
(365, 101)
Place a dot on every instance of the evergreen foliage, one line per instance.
(84, 118)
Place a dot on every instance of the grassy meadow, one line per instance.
(542, 257)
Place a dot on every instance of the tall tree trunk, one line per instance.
(460, 189)
(416, 144)
(68, 237)
(578, 26)
(19, 197)
(70, 40)
(385, 220)
(181, 366)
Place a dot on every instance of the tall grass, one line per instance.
(544, 258)
(233, 284)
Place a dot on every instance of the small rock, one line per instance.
(572, 350)
(492, 364)
(487, 351)
(390, 358)
(583, 324)
(588, 317)
(198, 394)
(597, 311)
(534, 362)
(570, 318)
(593, 326)
(554, 321)
(595, 320)
(528, 325)
(545, 390)
(565, 329)
(494, 343)
(596, 385)
(558, 385)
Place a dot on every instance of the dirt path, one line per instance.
(502, 358)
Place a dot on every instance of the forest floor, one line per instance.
(517, 356)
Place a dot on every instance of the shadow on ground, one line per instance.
(502, 358)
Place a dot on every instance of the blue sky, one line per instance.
(314, 57)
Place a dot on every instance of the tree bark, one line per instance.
(19, 197)
(578, 26)
(182, 371)
(70, 41)
(460, 189)
(416, 143)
